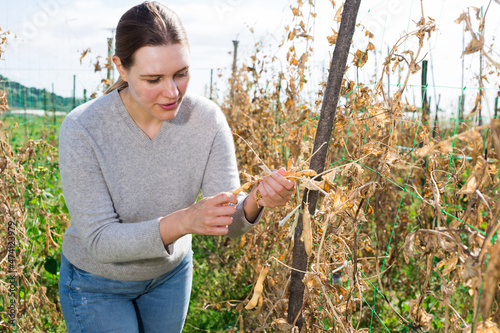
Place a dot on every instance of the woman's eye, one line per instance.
(153, 81)
(182, 74)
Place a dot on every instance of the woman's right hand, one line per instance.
(209, 216)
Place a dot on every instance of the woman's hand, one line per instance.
(209, 216)
(274, 191)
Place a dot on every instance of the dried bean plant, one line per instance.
(404, 235)
(28, 240)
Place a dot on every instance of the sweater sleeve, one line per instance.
(221, 175)
(91, 207)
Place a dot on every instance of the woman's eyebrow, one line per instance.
(182, 70)
(161, 75)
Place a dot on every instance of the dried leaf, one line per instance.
(495, 134)
(474, 45)
(420, 316)
(84, 53)
(484, 327)
(97, 67)
(409, 249)
(470, 269)
(360, 58)
(333, 38)
(450, 263)
(490, 280)
(475, 179)
(296, 12)
(462, 17)
(312, 282)
(338, 15)
(282, 325)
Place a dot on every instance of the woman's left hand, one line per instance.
(275, 190)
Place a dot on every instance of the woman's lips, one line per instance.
(170, 106)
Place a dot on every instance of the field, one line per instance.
(399, 229)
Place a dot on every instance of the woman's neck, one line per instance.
(149, 125)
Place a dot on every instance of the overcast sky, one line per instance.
(53, 33)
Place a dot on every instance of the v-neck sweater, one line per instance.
(118, 183)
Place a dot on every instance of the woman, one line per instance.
(132, 165)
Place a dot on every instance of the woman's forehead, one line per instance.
(160, 60)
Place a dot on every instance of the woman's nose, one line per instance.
(169, 89)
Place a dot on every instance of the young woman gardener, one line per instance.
(132, 165)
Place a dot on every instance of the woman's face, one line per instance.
(157, 82)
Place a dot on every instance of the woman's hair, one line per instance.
(147, 24)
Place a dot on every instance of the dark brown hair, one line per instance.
(147, 24)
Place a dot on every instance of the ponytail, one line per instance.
(119, 84)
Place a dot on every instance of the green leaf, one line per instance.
(64, 207)
(46, 195)
(51, 265)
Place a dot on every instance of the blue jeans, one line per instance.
(91, 303)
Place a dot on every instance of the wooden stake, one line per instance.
(320, 149)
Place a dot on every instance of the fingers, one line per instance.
(211, 216)
(282, 171)
(276, 190)
(224, 198)
(280, 177)
(217, 208)
(209, 224)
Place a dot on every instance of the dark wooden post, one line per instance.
(44, 100)
(211, 81)
(436, 119)
(481, 87)
(462, 96)
(321, 144)
(235, 58)
(74, 91)
(425, 104)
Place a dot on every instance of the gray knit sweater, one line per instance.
(118, 183)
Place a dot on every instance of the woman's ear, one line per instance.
(120, 68)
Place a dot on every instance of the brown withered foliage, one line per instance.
(3, 94)
(4, 105)
(20, 279)
(404, 220)
(24, 298)
(3, 41)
